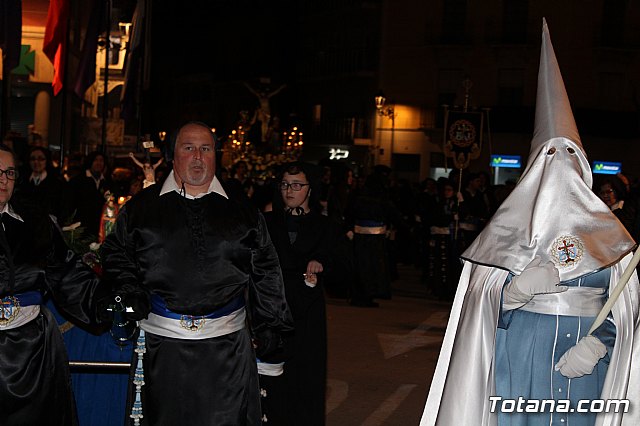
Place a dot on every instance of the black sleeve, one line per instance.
(74, 286)
(267, 302)
(120, 267)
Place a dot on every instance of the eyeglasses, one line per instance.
(37, 158)
(295, 186)
(12, 174)
(606, 192)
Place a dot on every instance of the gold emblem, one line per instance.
(9, 308)
(462, 133)
(567, 251)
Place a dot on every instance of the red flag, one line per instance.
(55, 40)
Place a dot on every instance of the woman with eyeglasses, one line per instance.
(41, 188)
(614, 194)
(307, 243)
(35, 385)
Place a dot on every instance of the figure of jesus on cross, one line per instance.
(264, 109)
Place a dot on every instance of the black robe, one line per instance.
(47, 197)
(84, 202)
(35, 385)
(298, 396)
(198, 255)
(371, 252)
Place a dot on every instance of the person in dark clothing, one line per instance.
(35, 384)
(370, 217)
(309, 246)
(447, 241)
(488, 193)
(42, 188)
(341, 194)
(477, 210)
(187, 258)
(614, 194)
(405, 244)
(239, 181)
(86, 193)
(426, 206)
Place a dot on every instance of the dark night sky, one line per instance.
(225, 43)
(233, 39)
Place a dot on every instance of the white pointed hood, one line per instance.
(552, 212)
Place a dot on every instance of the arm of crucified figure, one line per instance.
(135, 160)
(155, 166)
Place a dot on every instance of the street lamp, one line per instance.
(388, 111)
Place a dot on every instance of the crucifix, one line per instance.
(147, 168)
(565, 248)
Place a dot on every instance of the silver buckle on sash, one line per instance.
(9, 308)
(191, 323)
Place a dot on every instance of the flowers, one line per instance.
(82, 244)
(92, 258)
(264, 166)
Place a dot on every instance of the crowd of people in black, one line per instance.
(426, 224)
(336, 231)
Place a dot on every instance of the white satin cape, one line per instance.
(463, 379)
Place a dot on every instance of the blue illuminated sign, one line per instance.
(606, 168)
(506, 161)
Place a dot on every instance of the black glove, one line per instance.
(271, 346)
(137, 305)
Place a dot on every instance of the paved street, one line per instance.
(381, 360)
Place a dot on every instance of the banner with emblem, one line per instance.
(463, 136)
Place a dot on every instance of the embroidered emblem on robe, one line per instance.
(9, 308)
(567, 251)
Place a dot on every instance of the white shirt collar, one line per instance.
(97, 181)
(89, 174)
(617, 205)
(9, 210)
(42, 176)
(170, 184)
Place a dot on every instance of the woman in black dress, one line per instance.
(41, 188)
(308, 247)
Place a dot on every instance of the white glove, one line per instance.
(582, 358)
(537, 278)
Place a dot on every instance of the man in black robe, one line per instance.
(35, 384)
(185, 257)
